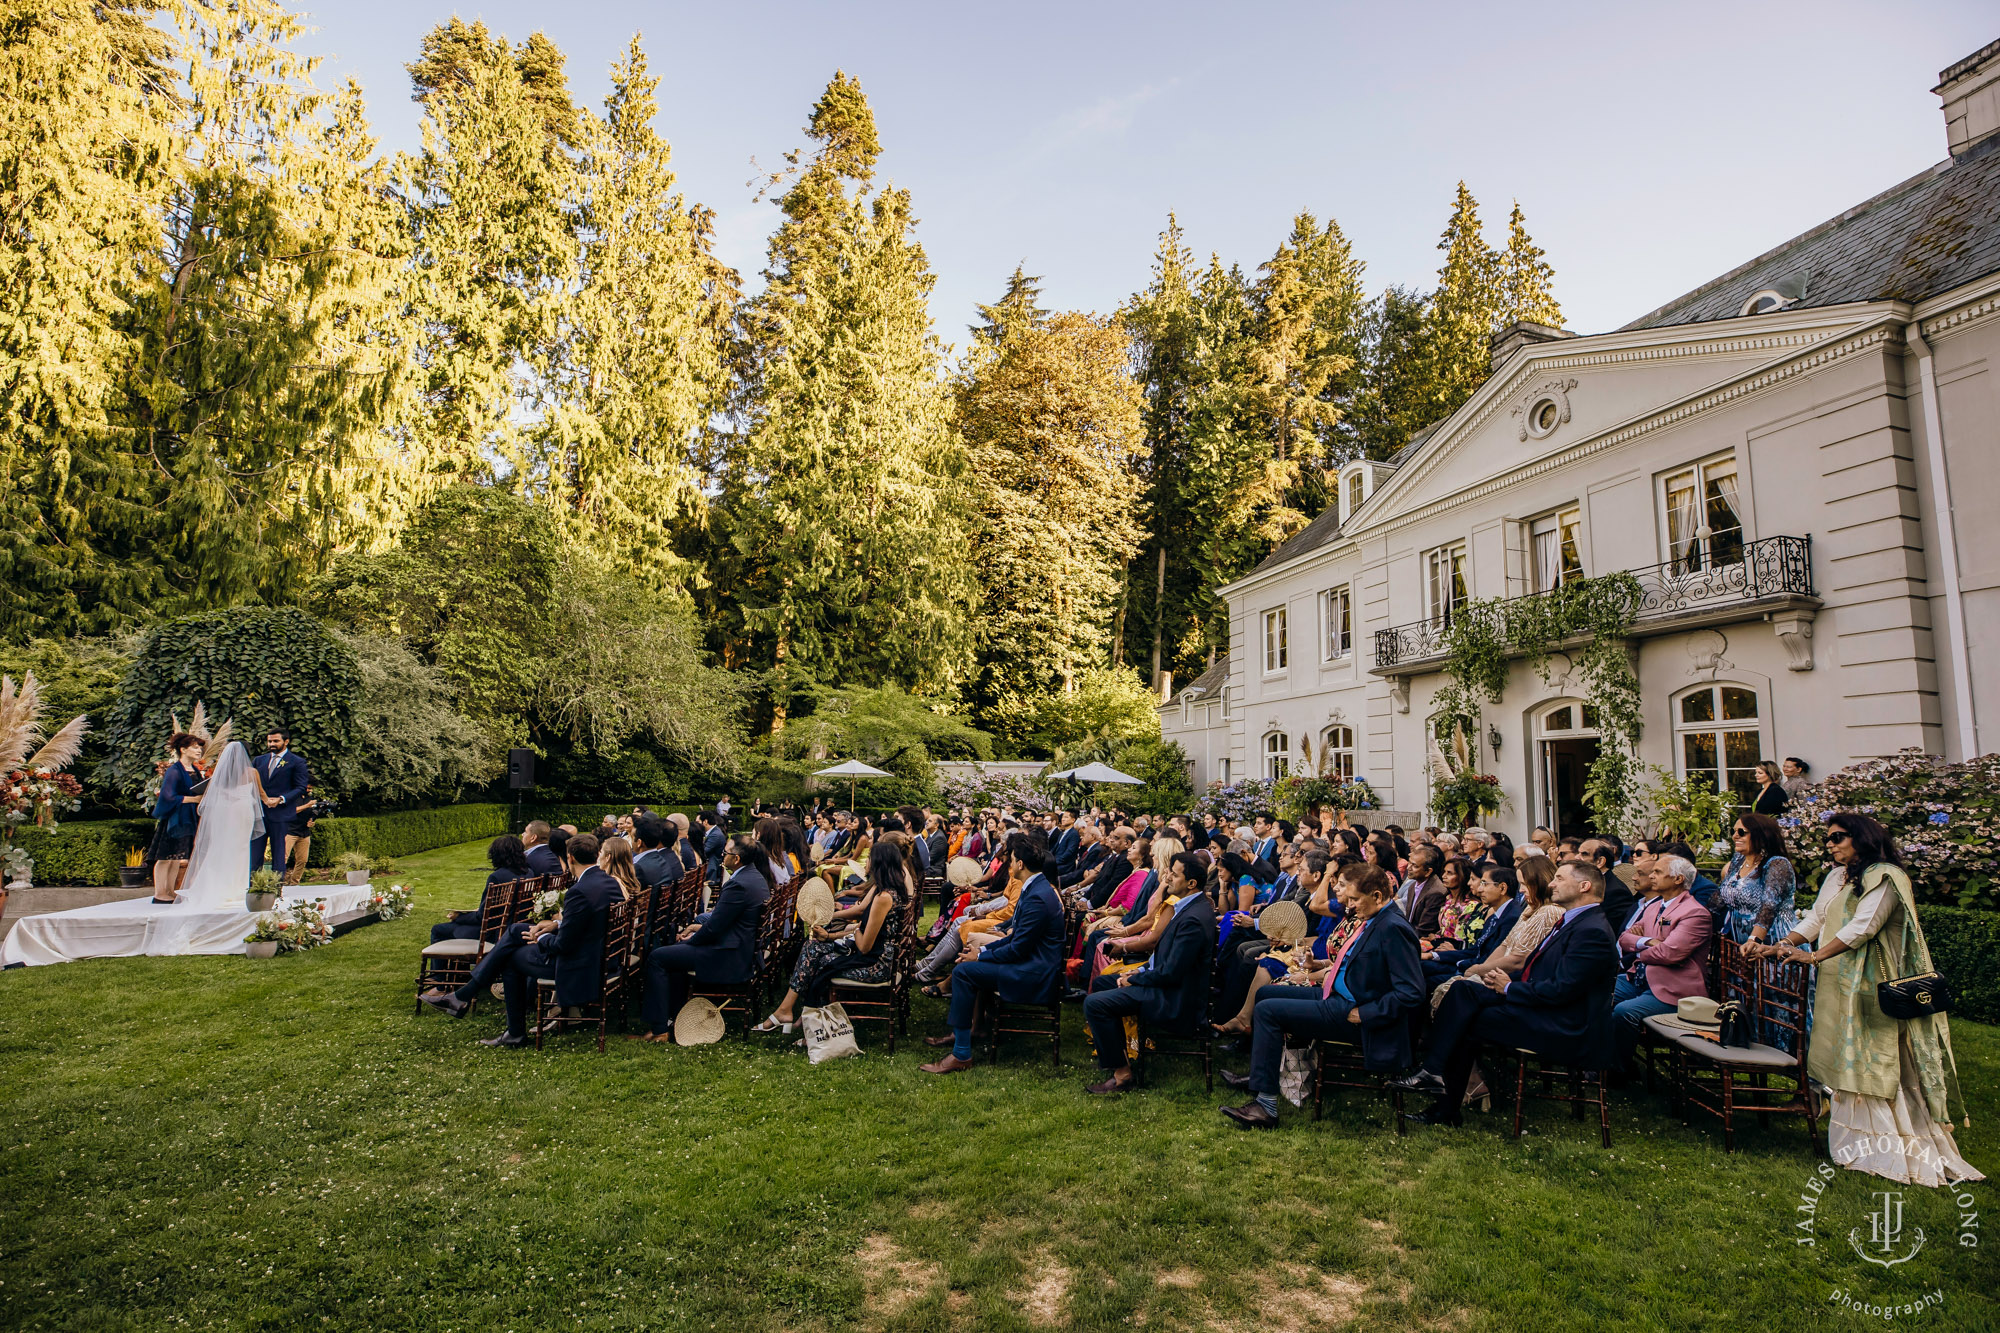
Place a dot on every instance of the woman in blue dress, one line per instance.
(175, 813)
(1758, 887)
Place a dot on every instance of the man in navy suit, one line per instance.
(1266, 829)
(720, 947)
(1067, 842)
(541, 857)
(1560, 1007)
(658, 863)
(1026, 967)
(1170, 992)
(1373, 989)
(713, 841)
(1498, 889)
(568, 951)
(284, 775)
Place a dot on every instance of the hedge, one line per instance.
(88, 852)
(1965, 946)
(406, 832)
(587, 816)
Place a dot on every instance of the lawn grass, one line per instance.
(221, 1143)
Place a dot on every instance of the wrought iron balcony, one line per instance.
(1776, 567)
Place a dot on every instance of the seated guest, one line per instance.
(1424, 890)
(957, 928)
(1370, 994)
(510, 862)
(568, 950)
(614, 858)
(1498, 892)
(713, 843)
(719, 947)
(860, 944)
(1704, 890)
(1091, 849)
(657, 862)
(1559, 1008)
(1668, 942)
(542, 859)
(1256, 965)
(1095, 885)
(558, 848)
(1605, 852)
(1024, 968)
(770, 835)
(1461, 916)
(684, 845)
(1170, 991)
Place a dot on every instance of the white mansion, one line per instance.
(1799, 462)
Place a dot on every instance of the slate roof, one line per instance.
(1934, 232)
(1205, 686)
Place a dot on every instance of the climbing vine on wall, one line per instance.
(1593, 617)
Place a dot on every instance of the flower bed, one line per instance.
(1945, 816)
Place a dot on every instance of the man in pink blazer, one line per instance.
(1668, 940)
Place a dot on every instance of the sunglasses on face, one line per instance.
(1742, 832)
(1835, 837)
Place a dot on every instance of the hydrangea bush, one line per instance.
(1238, 800)
(1945, 816)
(993, 791)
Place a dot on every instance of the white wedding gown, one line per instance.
(218, 872)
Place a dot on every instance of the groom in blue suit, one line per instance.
(285, 776)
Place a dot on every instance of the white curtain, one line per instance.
(1685, 524)
(1726, 485)
(1548, 560)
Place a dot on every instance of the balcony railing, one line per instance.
(1773, 567)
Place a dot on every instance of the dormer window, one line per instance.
(1765, 302)
(1357, 483)
(1354, 492)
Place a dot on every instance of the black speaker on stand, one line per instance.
(520, 777)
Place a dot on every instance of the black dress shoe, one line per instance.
(1075, 996)
(504, 1039)
(1235, 1080)
(1251, 1115)
(1449, 1116)
(1420, 1080)
(445, 1002)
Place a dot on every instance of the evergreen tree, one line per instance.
(85, 166)
(490, 210)
(1052, 420)
(1309, 304)
(1392, 400)
(843, 507)
(1016, 309)
(1464, 311)
(640, 367)
(1526, 278)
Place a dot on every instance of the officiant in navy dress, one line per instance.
(285, 776)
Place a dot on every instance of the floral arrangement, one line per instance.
(994, 791)
(33, 786)
(1461, 795)
(1944, 816)
(1303, 793)
(390, 903)
(301, 926)
(1236, 800)
(548, 905)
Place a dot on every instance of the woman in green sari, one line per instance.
(1889, 1077)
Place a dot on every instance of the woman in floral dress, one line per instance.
(867, 952)
(1758, 899)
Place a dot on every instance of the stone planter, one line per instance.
(358, 877)
(134, 877)
(259, 902)
(261, 949)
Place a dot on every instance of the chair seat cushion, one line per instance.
(1756, 1056)
(453, 949)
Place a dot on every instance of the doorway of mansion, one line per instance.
(1567, 742)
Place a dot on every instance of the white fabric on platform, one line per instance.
(136, 927)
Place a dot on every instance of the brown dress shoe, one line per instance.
(1251, 1115)
(946, 1040)
(1111, 1085)
(951, 1064)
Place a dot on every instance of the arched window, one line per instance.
(1719, 734)
(1277, 756)
(1336, 753)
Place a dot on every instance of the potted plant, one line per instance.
(132, 875)
(263, 940)
(358, 865)
(264, 890)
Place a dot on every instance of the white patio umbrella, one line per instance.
(1098, 772)
(850, 770)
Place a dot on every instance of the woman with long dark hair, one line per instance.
(1758, 897)
(1891, 1078)
(862, 947)
(509, 862)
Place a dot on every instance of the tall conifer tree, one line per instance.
(1526, 278)
(843, 502)
(1464, 310)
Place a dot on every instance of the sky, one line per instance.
(1650, 147)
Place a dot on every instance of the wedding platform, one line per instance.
(135, 927)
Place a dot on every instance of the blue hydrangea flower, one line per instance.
(1940, 817)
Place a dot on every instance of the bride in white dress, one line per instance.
(232, 813)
